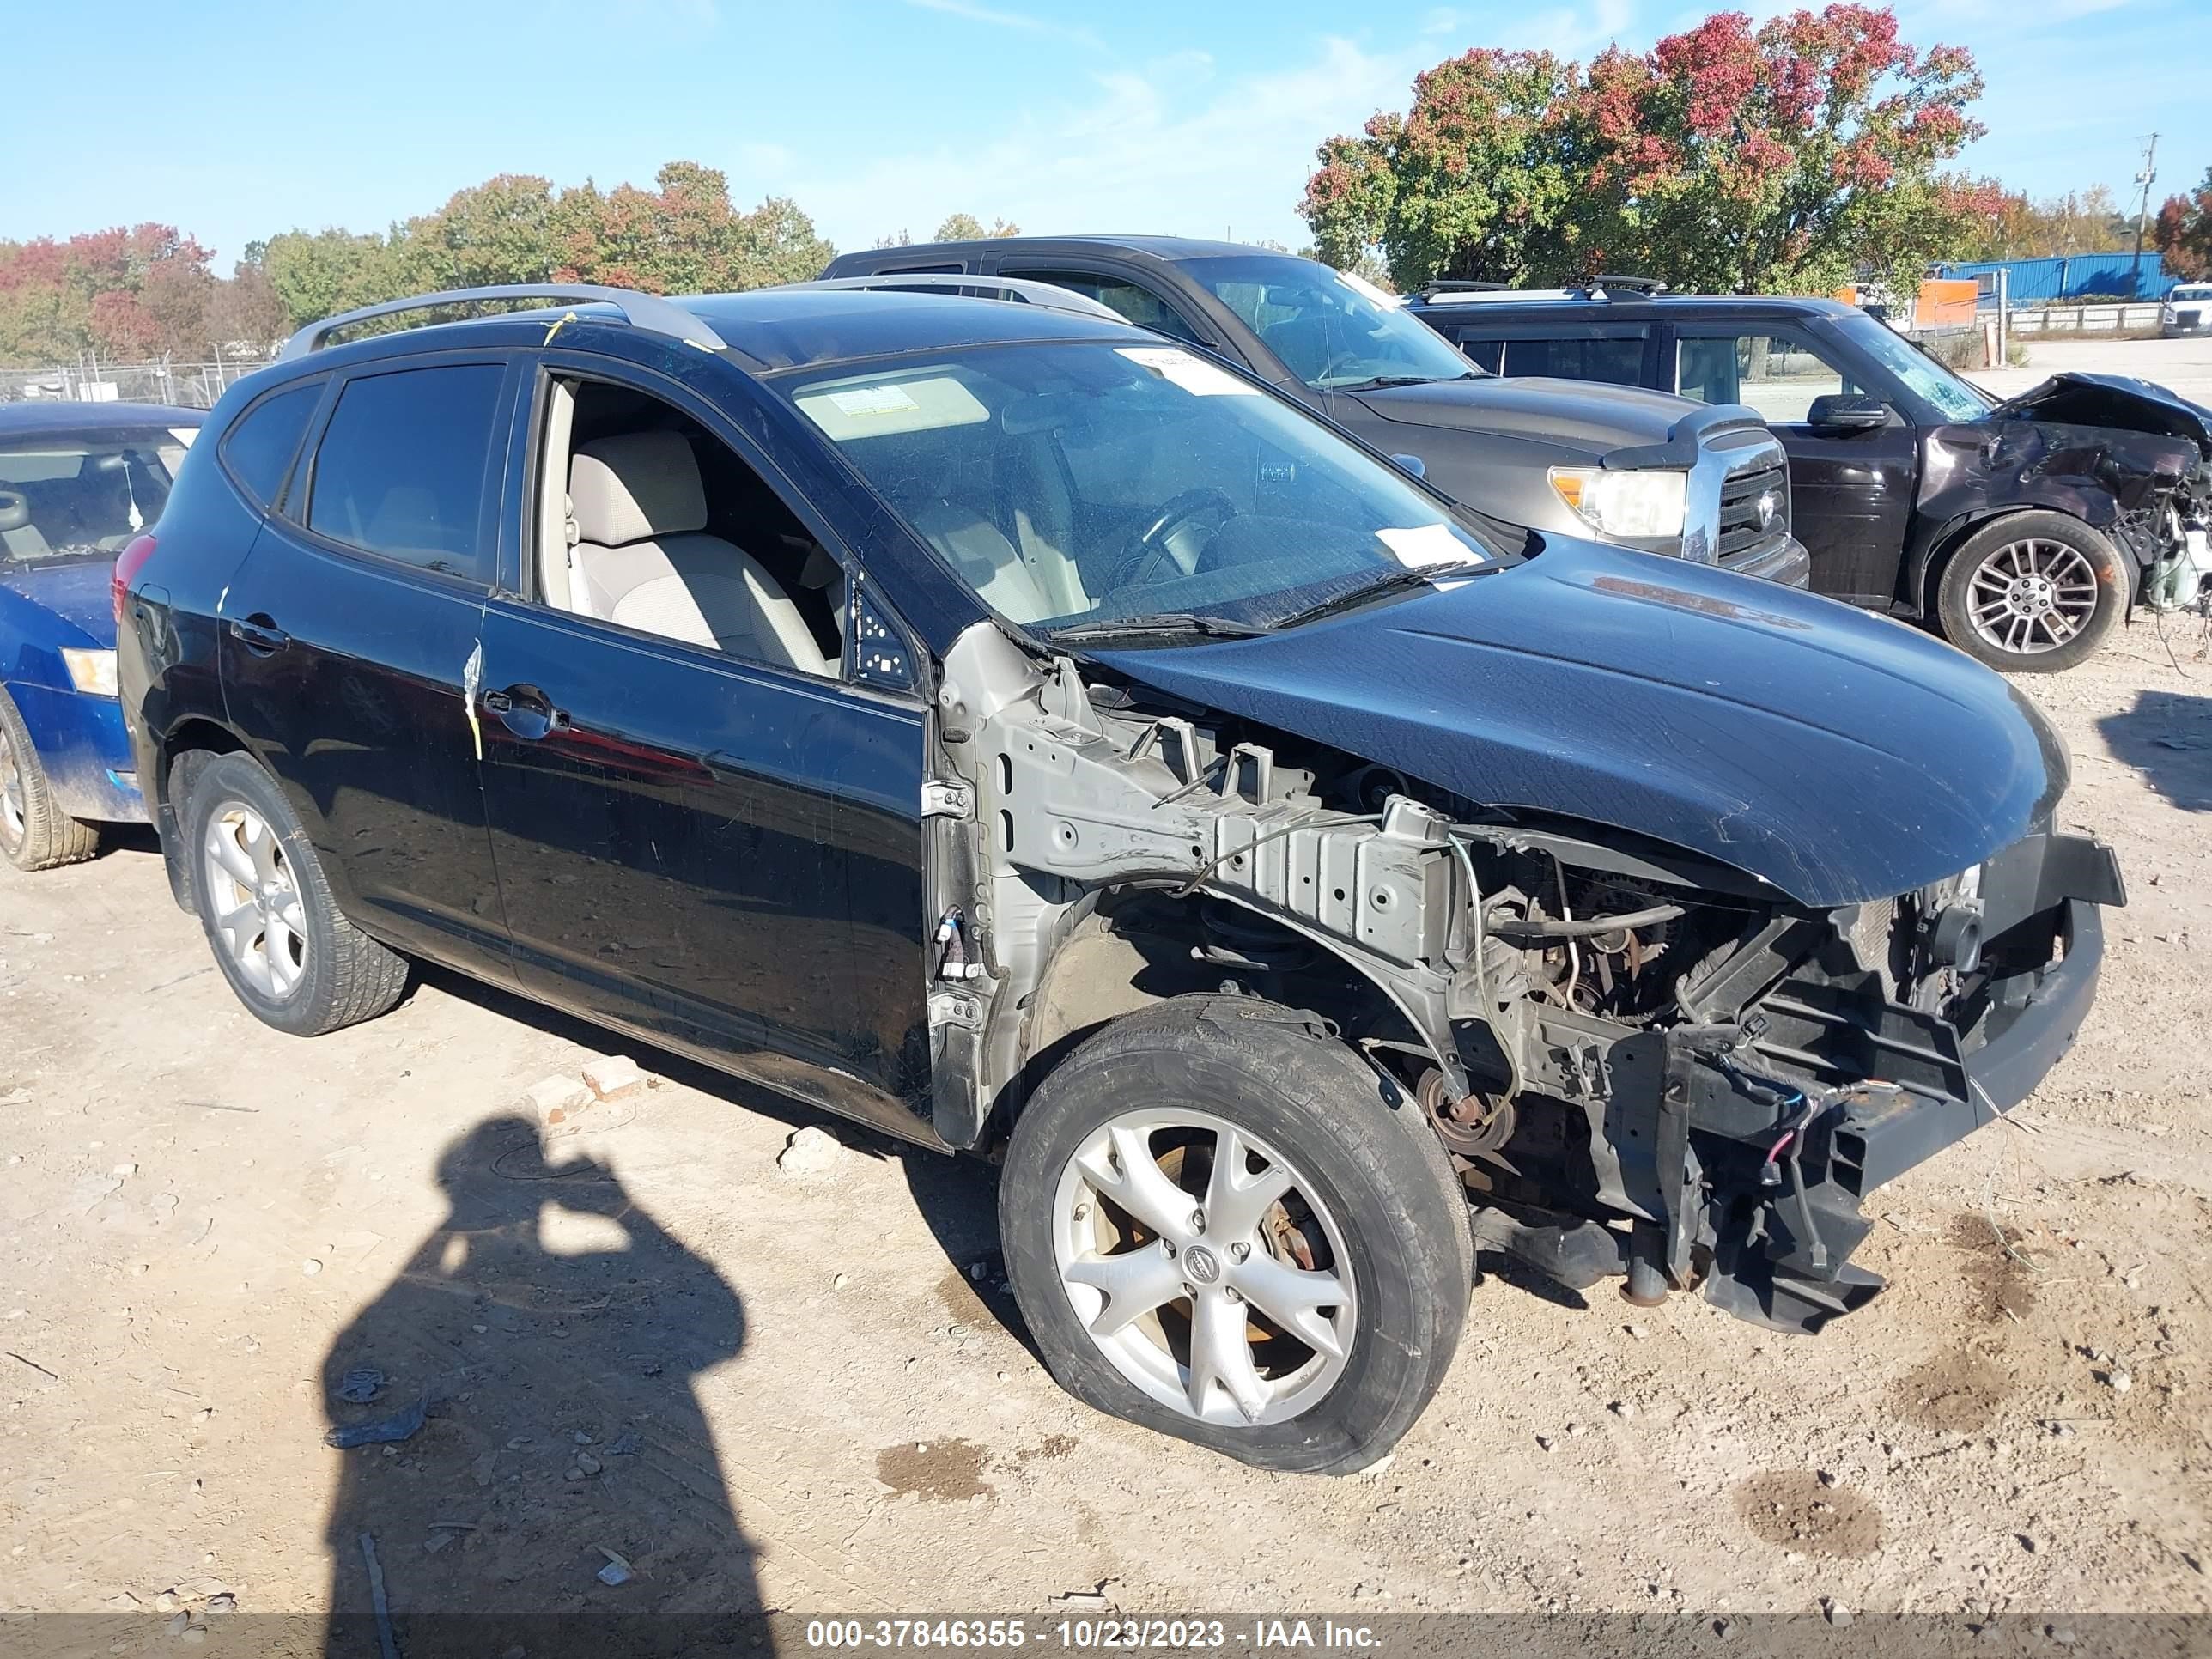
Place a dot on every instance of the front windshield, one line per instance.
(2192, 291)
(1072, 483)
(81, 497)
(1330, 331)
(1952, 399)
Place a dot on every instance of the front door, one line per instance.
(345, 643)
(1851, 492)
(709, 836)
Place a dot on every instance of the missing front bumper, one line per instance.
(1781, 1258)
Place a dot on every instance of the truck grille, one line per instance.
(1742, 526)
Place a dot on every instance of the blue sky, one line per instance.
(1189, 116)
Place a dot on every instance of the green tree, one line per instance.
(319, 273)
(967, 227)
(1731, 158)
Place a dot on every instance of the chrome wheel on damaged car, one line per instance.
(1204, 1268)
(1221, 1223)
(2033, 591)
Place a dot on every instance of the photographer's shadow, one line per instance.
(553, 1331)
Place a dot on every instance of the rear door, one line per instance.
(1851, 493)
(347, 639)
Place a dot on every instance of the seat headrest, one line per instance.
(636, 485)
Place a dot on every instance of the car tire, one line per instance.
(2033, 593)
(1371, 1209)
(278, 936)
(35, 834)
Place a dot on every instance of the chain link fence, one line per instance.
(192, 386)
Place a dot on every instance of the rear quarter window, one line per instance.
(401, 469)
(257, 450)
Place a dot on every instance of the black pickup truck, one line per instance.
(2023, 529)
(1644, 470)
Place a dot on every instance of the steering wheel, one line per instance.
(1147, 547)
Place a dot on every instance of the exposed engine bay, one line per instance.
(2147, 450)
(1642, 1060)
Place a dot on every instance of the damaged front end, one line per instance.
(2127, 456)
(1643, 1058)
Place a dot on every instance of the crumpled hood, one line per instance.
(1577, 415)
(2112, 400)
(76, 591)
(1836, 754)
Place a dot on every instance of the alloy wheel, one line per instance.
(253, 903)
(2032, 596)
(15, 812)
(1205, 1267)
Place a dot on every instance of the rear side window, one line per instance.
(400, 471)
(1618, 363)
(258, 447)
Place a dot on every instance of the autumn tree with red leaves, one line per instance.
(1783, 158)
(2182, 232)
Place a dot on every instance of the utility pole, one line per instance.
(2143, 213)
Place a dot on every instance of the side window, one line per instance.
(1485, 354)
(259, 445)
(400, 469)
(1140, 305)
(1775, 374)
(665, 530)
(1618, 363)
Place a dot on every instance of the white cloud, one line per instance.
(996, 17)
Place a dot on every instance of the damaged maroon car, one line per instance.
(2024, 530)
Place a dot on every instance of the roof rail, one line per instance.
(1020, 290)
(1626, 284)
(645, 311)
(1461, 285)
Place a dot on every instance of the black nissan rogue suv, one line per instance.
(1012, 730)
(2023, 529)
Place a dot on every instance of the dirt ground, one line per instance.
(640, 1338)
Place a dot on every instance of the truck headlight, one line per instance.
(91, 672)
(1637, 504)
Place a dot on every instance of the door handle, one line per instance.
(259, 634)
(525, 711)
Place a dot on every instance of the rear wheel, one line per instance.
(35, 834)
(292, 958)
(1221, 1223)
(2033, 592)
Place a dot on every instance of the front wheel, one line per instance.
(1220, 1222)
(2033, 592)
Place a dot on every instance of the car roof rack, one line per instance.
(1019, 290)
(1461, 285)
(645, 311)
(1604, 282)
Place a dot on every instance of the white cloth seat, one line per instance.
(640, 508)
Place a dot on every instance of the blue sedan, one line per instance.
(77, 482)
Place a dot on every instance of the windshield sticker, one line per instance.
(1194, 374)
(882, 408)
(1423, 546)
